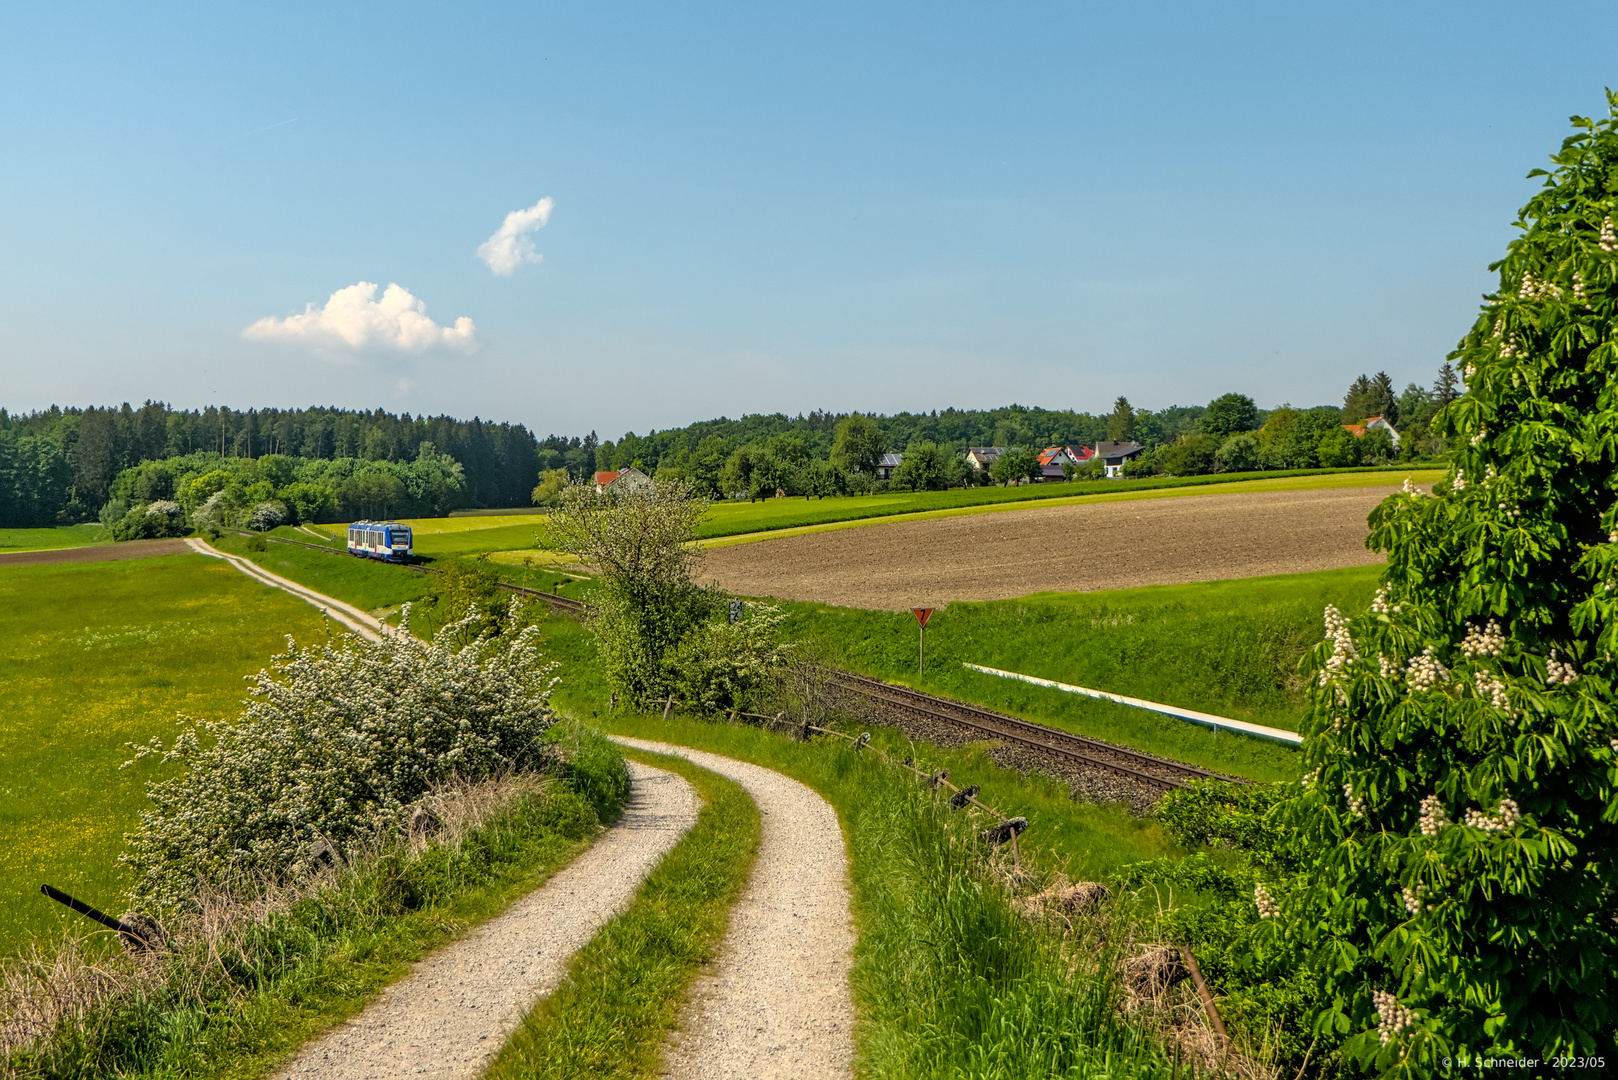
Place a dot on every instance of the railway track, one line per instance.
(1156, 773)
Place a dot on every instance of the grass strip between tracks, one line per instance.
(624, 991)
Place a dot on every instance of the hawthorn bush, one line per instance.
(1461, 799)
(335, 745)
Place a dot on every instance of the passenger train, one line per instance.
(380, 540)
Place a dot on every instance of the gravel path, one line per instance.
(453, 1013)
(777, 1004)
(361, 623)
(1115, 545)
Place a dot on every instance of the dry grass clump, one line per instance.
(60, 993)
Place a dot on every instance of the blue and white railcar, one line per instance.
(380, 540)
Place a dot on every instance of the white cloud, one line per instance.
(354, 319)
(510, 247)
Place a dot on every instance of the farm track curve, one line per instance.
(450, 1016)
(1082, 548)
(777, 1003)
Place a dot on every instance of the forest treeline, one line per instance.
(61, 465)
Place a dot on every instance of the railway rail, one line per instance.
(1156, 773)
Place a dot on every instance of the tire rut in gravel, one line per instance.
(449, 1017)
(777, 1002)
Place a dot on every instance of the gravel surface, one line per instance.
(777, 1005)
(130, 549)
(366, 626)
(1116, 545)
(453, 1013)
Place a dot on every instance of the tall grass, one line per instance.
(63, 536)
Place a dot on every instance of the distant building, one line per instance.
(1114, 454)
(981, 457)
(626, 479)
(1052, 458)
(885, 467)
(1359, 430)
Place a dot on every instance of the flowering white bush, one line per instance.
(334, 745)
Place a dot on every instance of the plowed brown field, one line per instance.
(1118, 545)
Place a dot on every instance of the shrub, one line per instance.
(1462, 798)
(722, 665)
(151, 521)
(1239, 453)
(266, 515)
(336, 743)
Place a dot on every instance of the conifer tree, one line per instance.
(1461, 799)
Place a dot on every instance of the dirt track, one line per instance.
(1117, 545)
(133, 549)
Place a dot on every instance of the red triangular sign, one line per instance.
(922, 614)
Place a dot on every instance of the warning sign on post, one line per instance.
(922, 614)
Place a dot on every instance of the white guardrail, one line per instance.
(1207, 719)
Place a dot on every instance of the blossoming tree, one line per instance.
(1462, 792)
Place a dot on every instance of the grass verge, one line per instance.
(625, 990)
(948, 980)
(239, 1007)
(97, 655)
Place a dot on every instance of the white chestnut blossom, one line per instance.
(1459, 483)
(1502, 820)
(1477, 439)
(1414, 897)
(1533, 288)
(1356, 803)
(1492, 689)
(1424, 672)
(1387, 668)
(1559, 672)
(1468, 371)
(1267, 907)
(1490, 641)
(1379, 603)
(1342, 644)
(1393, 1019)
(1608, 239)
(1433, 818)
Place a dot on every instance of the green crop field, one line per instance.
(66, 536)
(97, 655)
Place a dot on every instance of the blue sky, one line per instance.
(762, 207)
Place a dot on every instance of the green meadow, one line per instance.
(65, 536)
(1225, 647)
(98, 655)
(368, 584)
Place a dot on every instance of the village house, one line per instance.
(625, 479)
(1114, 454)
(1052, 458)
(885, 467)
(1359, 430)
(981, 457)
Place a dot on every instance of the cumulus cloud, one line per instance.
(355, 319)
(510, 246)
